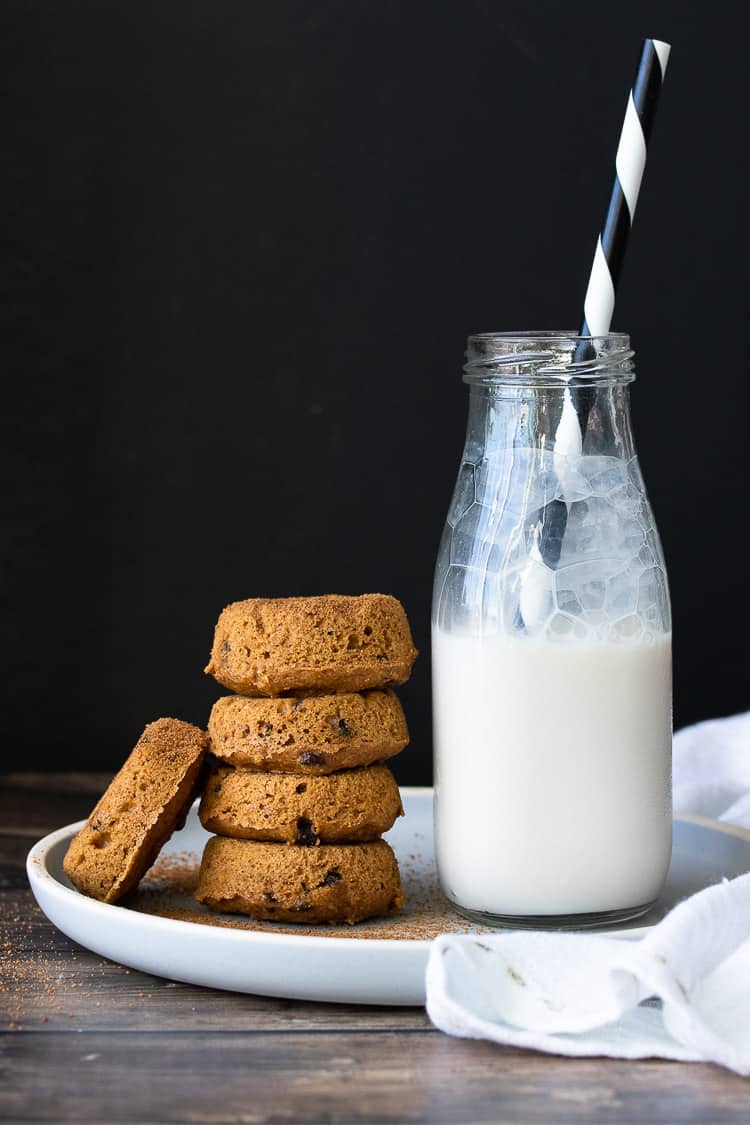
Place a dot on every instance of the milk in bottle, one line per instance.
(551, 647)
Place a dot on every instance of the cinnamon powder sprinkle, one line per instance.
(167, 893)
(41, 977)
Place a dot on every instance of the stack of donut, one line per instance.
(300, 796)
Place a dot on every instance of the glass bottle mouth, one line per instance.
(548, 358)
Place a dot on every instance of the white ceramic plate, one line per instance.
(380, 962)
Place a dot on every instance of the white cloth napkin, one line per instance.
(579, 994)
(711, 769)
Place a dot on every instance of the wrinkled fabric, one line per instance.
(681, 992)
(711, 769)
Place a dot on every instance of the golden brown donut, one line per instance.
(312, 734)
(331, 883)
(145, 802)
(268, 646)
(347, 807)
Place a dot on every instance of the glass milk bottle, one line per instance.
(551, 645)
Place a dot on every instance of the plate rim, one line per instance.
(39, 875)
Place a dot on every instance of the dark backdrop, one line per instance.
(245, 243)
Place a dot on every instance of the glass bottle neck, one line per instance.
(548, 359)
(571, 420)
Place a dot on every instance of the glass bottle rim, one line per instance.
(548, 358)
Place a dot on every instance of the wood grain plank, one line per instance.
(94, 1041)
(36, 803)
(68, 781)
(359, 1078)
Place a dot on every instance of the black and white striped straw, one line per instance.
(598, 305)
(629, 164)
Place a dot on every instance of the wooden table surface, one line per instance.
(84, 1039)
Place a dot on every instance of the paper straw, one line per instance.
(611, 244)
(629, 164)
(598, 307)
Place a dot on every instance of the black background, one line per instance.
(244, 244)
